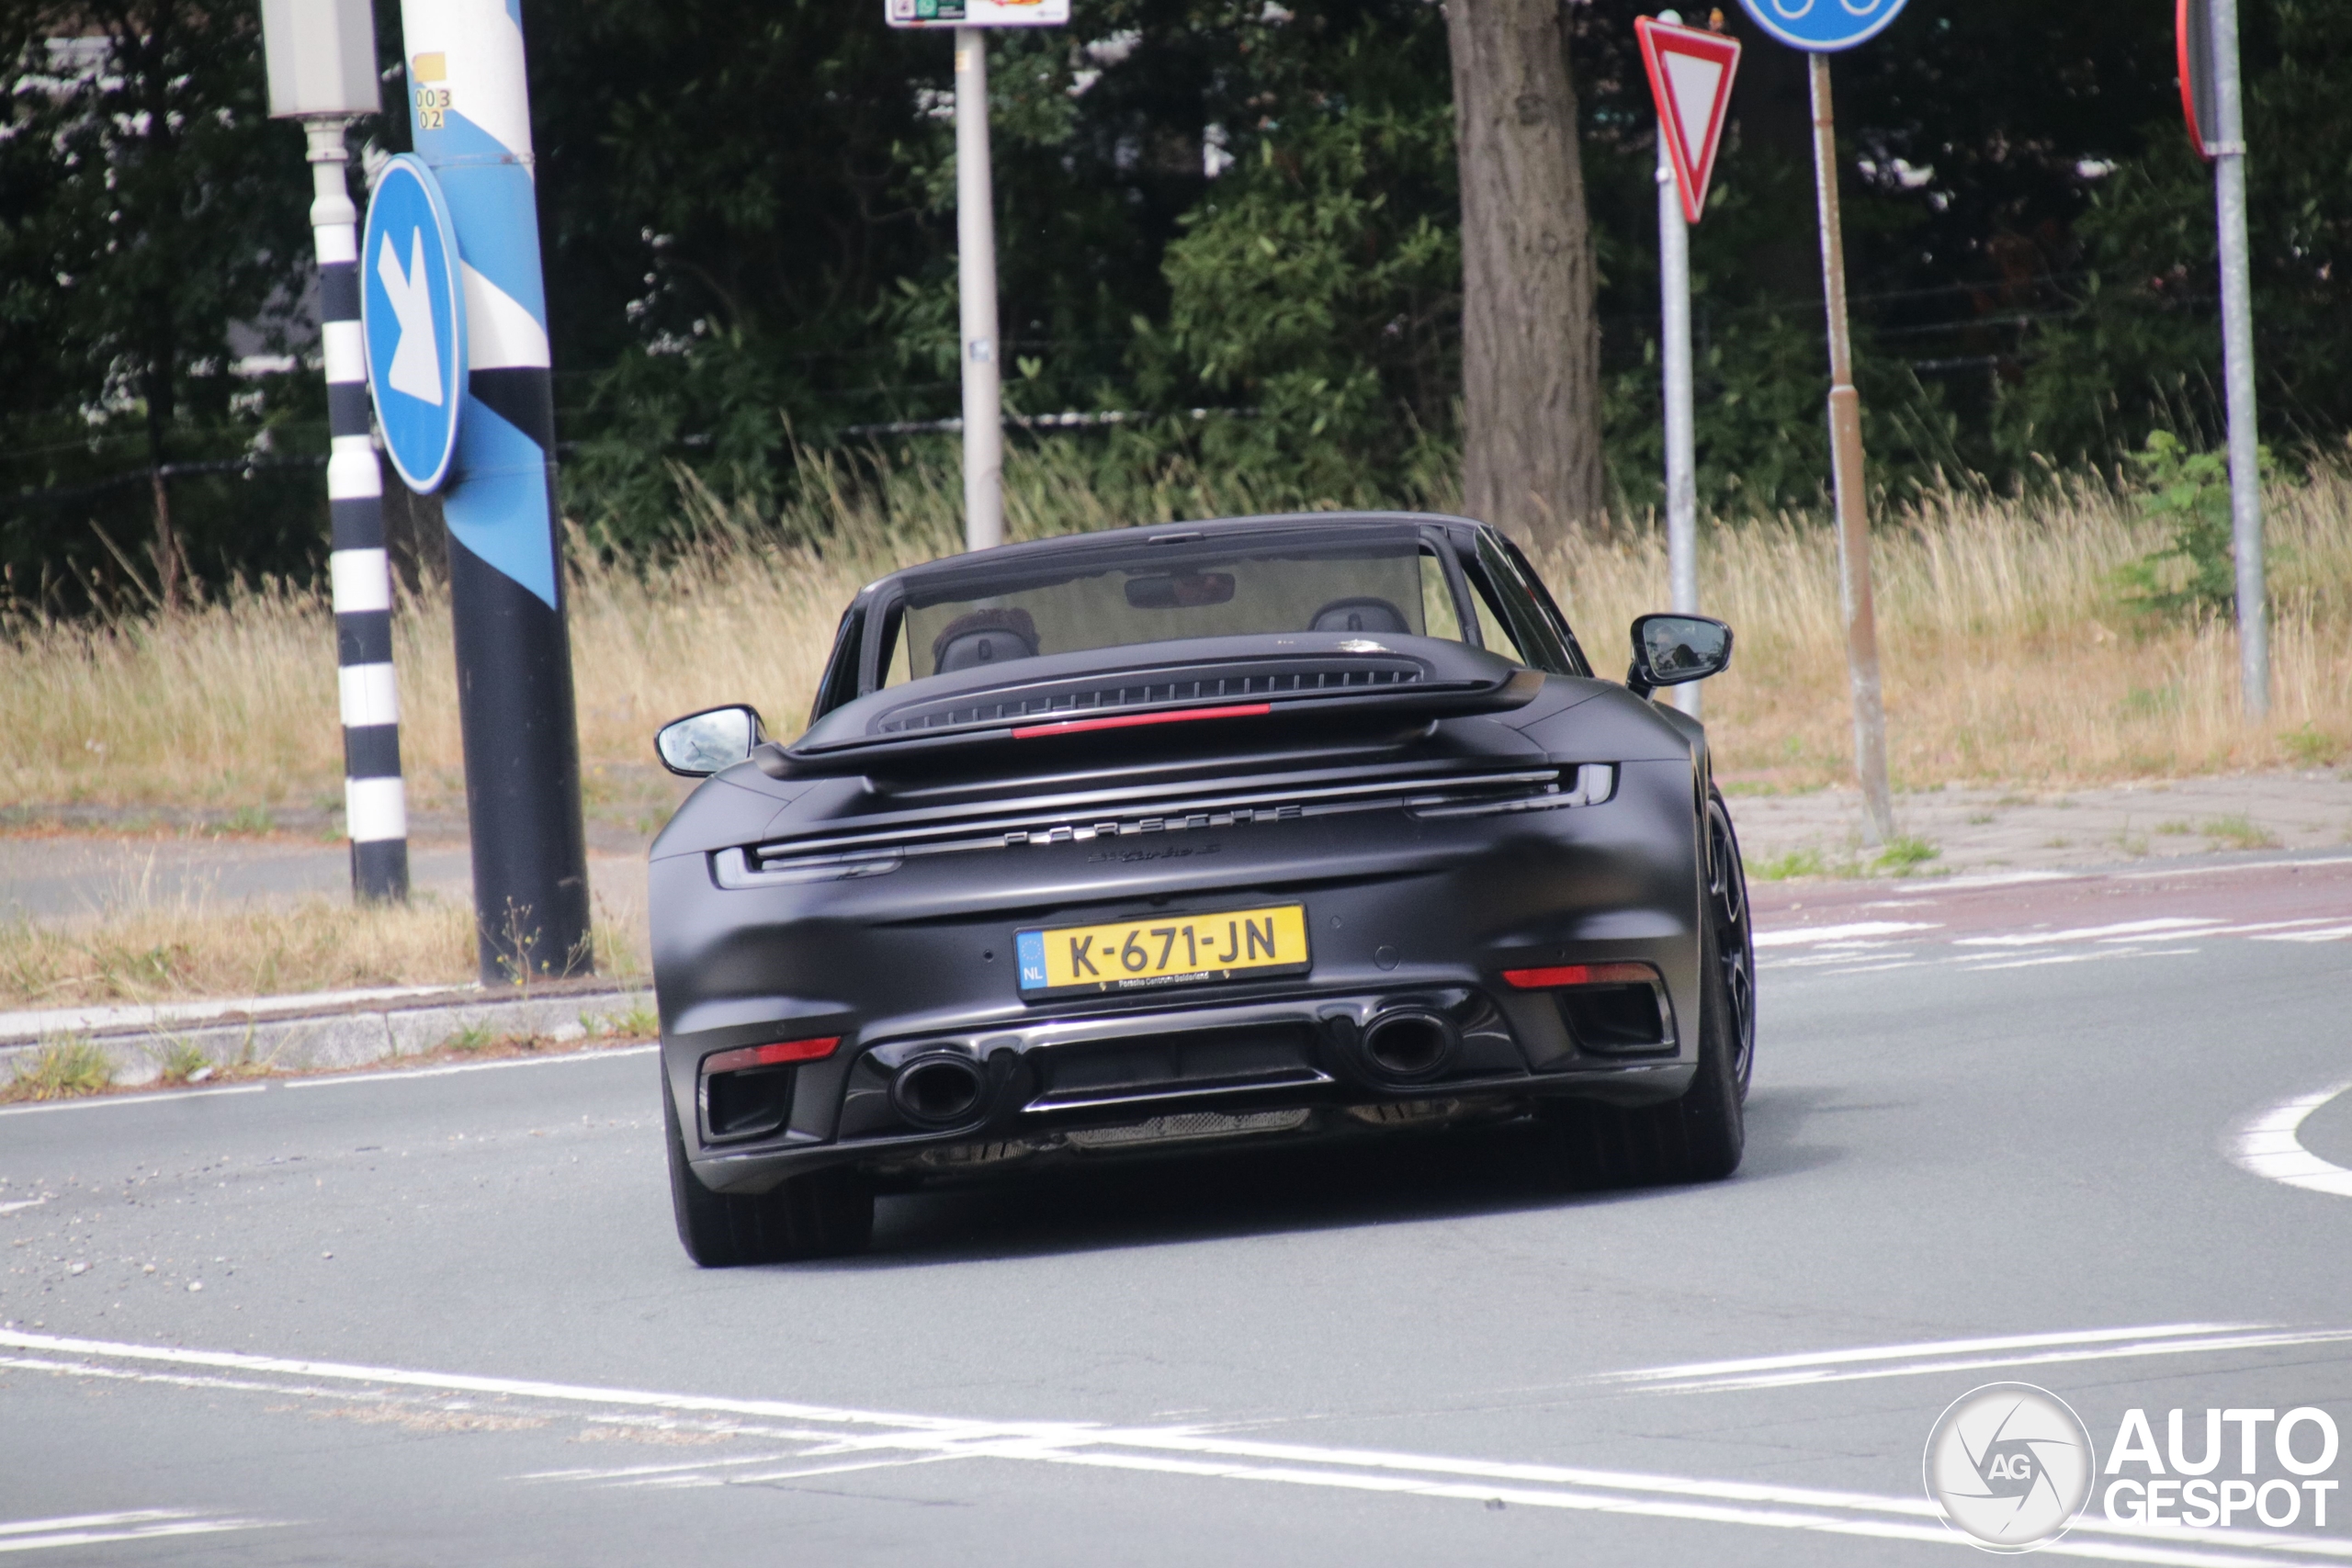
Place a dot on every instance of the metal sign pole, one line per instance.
(321, 62)
(1853, 502)
(375, 799)
(1682, 477)
(472, 115)
(976, 289)
(2228, 149)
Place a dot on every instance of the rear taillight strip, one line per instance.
(781, 1054)
(1565, 976)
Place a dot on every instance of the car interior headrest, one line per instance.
(984, 637)
(1363, 615)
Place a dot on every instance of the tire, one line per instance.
(1727, 911)
(826, 1213)
(1699, 1138)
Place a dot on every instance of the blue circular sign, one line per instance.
(414, 311)
(1822, 26)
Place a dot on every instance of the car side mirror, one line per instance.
(1669, 650)
(702, 743)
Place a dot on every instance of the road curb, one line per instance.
(350, 1037)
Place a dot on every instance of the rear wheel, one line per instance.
(1698, 1137)
(822, 1214)
(1734, 936)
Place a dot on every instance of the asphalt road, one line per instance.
(1998, 1133)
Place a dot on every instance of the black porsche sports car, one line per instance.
(1253, 830)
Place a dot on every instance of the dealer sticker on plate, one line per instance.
(1165, 950)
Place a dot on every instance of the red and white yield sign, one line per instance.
(1691, 71)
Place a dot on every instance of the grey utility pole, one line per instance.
(1847, 478)
(1674, 348)
(322, 63)
(2228, 150)
(976, 290)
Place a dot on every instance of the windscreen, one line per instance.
(1158, 595)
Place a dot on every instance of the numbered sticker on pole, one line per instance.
(1822, 27)
(977, 13)
(1691, 75)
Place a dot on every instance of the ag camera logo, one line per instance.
(2010, 1465)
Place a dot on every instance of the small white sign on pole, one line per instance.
(977, 13)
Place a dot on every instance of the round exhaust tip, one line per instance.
(1411, 1044)
(937, 1090)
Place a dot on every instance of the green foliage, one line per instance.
(153, 235)
(58, 1069)
(1904, 853)
(1318, 281)
(2196, 571)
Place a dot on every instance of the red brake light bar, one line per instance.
(1561, 975)
(1130, 720)
(770, 1055)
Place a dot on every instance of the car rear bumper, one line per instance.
(1406, 916)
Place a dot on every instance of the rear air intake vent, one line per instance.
(1152, 688)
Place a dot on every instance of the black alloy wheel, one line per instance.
(1728, 913)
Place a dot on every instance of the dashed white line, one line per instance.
(1805, 936)
(2088, 933)
(2270, 1146)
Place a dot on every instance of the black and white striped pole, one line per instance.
(322, 56)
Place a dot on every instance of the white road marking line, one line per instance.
(1192, 1452)
(1875, 968)
(1929, 1348)
(805, 1471)
(1989, 1363)
(2088, 933)
(1981, 967)
(2334, 933)
(1805, 936)
(25, 1203)
(2241, 865)
(96, 1529)
(2269, 1145)
(166, 1097)
(2267, 926)
(402, 1074)
(91, 1521)
(631, 1472)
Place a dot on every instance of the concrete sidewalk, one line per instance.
(1974, 830)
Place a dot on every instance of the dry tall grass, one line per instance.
(2009, 656)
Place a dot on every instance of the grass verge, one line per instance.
(2010, 651)
(161, 952)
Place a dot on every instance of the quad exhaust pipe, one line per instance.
(939, 1089)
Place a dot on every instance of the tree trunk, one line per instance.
(1531, 348)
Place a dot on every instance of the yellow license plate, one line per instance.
(1165, 950)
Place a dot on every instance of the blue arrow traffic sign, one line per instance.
(1822, 27)
(413, 309)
